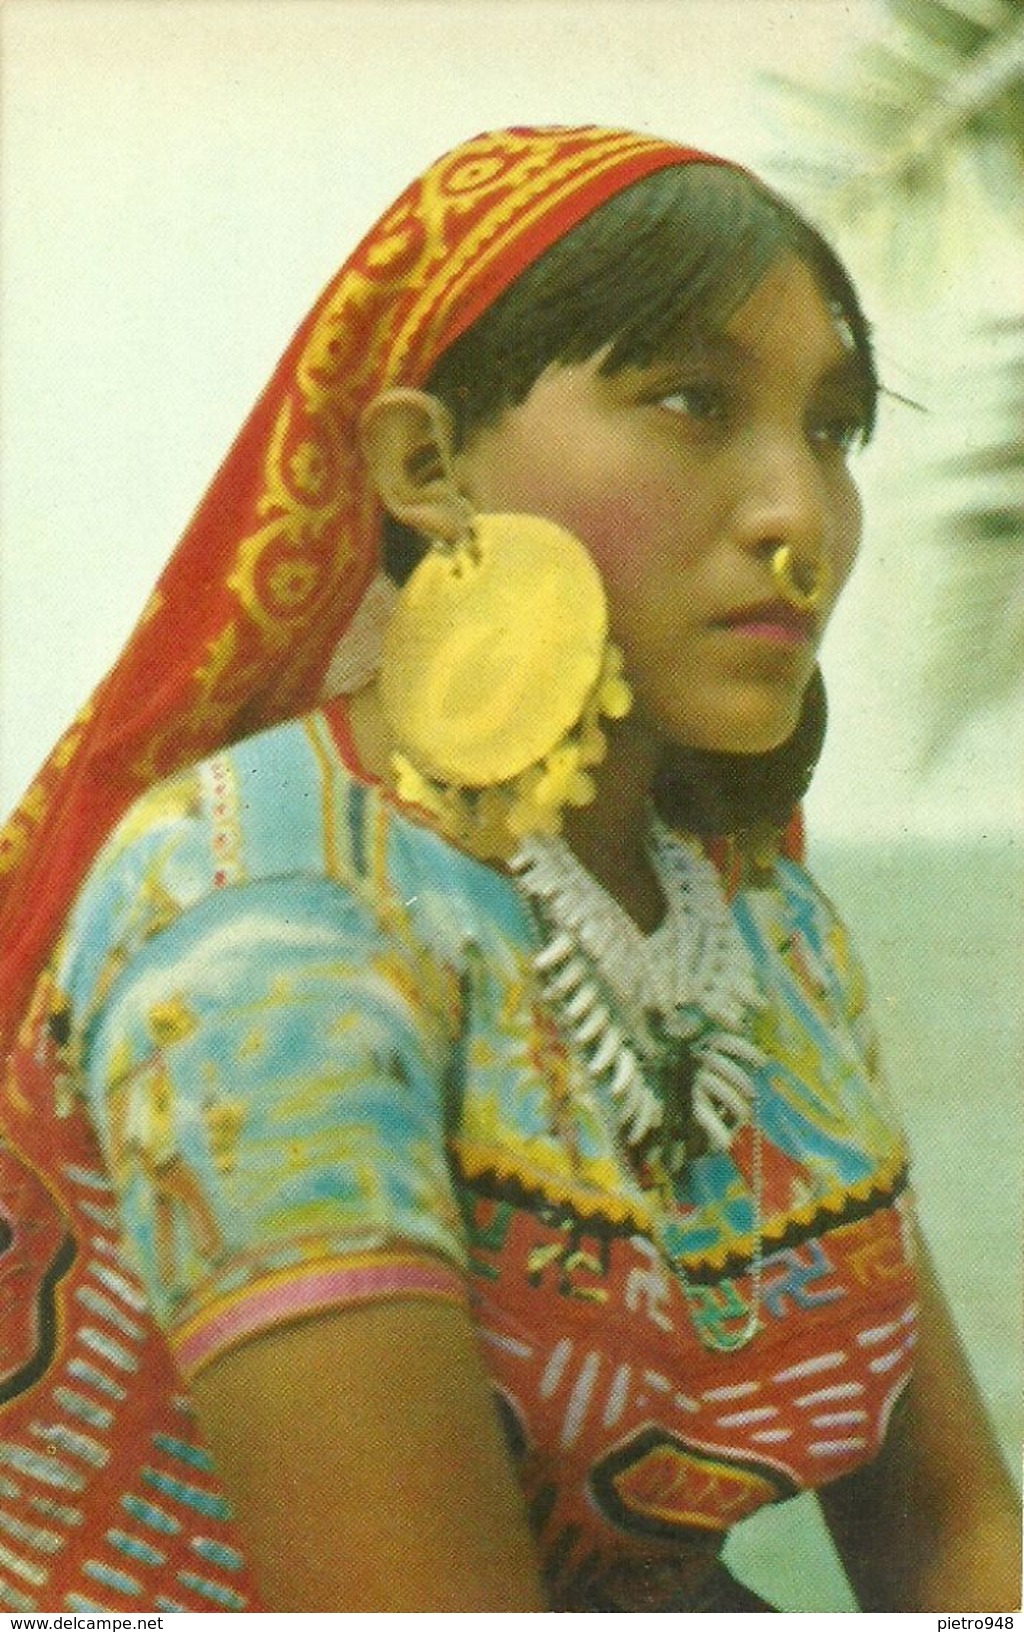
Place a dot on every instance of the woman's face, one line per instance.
(683, 478)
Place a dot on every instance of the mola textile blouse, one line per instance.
(312, 1045)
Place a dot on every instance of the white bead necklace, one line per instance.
(692, 977)
(634, 1002)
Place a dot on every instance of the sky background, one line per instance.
(179, 179)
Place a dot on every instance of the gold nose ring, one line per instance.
(803, 583)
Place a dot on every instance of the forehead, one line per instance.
(788, 306)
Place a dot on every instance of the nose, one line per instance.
(783, 503)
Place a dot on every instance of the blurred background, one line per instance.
(180, 178)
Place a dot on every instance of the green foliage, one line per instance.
(977, 652)
(933, 104)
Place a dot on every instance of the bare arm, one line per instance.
(364, 1459)
(934, 1523)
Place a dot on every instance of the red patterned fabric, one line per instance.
(595, 1351)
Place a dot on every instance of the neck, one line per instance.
(370, 733)
(609, 835)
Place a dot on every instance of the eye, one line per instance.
(702, 400)
(842, 431)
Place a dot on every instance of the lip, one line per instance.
(774, 620)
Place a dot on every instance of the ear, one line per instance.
(406, 439)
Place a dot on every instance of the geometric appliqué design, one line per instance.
(36, 1250)
(656, 1485)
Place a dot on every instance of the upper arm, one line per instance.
(267, 1067)
(365, 1463)
(268, 1079)
(934, 1521)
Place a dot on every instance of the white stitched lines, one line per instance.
(117, 1283)
(735, 1391)
(772, 1436)
(579, 1400)
(511, 1345)
(76, 1444)
(86, 1410)
(23, 1568)
(48, 1470)
(807, 1368)
(56, 1512)
(658, 1382)
(582, 1388)
(33, 1535)
(836, 1447)
(742, 1419)
(84, 1372)
(838, 1419)
(89, 1178)
(877, 1334)
(105, 1217)
(885, 1362)
(618, 1394)
(881, 1334)
(837, 1391)
(557, 1362)
(108, 1349)
(111, 1249)
(11, 1598)
(106, 1309)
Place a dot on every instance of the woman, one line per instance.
(452, 1024)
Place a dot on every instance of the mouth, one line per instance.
(777, 621)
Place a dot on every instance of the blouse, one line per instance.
(312, 1043)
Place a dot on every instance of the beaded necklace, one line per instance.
(648, 1011)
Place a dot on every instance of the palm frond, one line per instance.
(920, 116)
(976, 653)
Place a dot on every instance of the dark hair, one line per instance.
(672, 255)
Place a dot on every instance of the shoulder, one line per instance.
(798, 936)
(796, 901)
(279, 813)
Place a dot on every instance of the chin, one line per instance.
(761, 742)
(746, 729)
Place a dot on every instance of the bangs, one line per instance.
(670, 258)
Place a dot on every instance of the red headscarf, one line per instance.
(241, 626)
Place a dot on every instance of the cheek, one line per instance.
(848, 535)
(627, 529)
(624, 506)
(616, 536)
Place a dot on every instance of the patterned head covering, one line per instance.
(241, 627)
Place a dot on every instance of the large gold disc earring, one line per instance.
(496, 669)
(802, 584)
